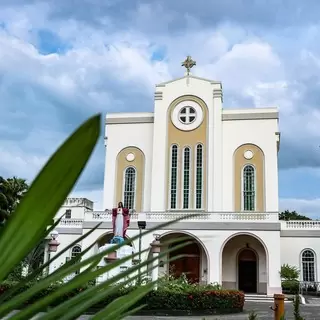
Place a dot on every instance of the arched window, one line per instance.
(76, 250)
(248, 181)
(199, 176)
(129, 188)
(308, 266)
(186, 178)
(174, 177)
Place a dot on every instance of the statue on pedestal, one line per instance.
(120, 223)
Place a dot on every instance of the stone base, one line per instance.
(274, 290)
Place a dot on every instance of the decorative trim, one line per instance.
(294, 233)
(163, 84)
(71, 230)
(130, 120)
(248, 154)
(225, 117)
(158, 95)
(217, 93)
(250, 116)
(248, 226)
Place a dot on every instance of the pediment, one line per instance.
(163, 84)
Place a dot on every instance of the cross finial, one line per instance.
(188, 64)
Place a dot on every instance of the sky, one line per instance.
(63, 61)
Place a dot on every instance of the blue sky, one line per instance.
(61, 63)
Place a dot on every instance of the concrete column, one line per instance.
(155, 249)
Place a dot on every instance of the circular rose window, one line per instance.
(187, 115)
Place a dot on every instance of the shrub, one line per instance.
(290, 286)
(192, 302)
(197, 299)
(288, 272)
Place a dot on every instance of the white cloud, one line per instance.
(107, 66)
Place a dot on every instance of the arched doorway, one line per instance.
(247, 271)
(188, 262)
(244, 264)
(191, 260)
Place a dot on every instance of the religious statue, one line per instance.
(120, 223)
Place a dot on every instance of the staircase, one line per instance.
(261, 298)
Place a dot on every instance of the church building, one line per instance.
(192, 155)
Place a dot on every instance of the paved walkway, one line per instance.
(308, 312)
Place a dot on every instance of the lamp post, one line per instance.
(52, 245)
(142, 223)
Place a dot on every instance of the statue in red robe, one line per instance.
(120, 221)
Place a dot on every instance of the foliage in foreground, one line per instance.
(190, 298)
(25, 230)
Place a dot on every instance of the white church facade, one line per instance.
(192, 155)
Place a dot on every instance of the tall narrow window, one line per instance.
(76, 250)
(186, 178)
(308, 266)
(248, 188)
(174, 177)
(68, 214)
(129, 188)
(199, 176)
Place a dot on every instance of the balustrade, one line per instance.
(189, 216)
(71, 222)
(300, 224)
(200, 216)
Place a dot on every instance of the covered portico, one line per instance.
(245, 264)
(192, 261)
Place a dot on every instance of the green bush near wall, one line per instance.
(290, 286)
(162, 301)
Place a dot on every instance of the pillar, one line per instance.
(155, 249)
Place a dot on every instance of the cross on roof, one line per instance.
(188, 64)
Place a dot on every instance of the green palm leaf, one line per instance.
(34, 274)
(35, 212)
(80, 303)
(122, 304)
(46, 195)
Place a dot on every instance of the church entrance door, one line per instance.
(188, 263)
(247, 271)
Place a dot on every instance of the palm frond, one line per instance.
(46, 195)
(25, 230)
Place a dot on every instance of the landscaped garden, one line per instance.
(172, 297)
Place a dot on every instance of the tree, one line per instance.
(292, 215)
(12, 191)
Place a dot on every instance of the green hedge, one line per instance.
(290, 286)
(164, 301)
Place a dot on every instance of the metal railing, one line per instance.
(309, 288)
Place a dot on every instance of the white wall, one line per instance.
(64, 240)
(213, 243)
(292, 247)
(120, 136)
(262, 134)
(171, 91)
(76, 212)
